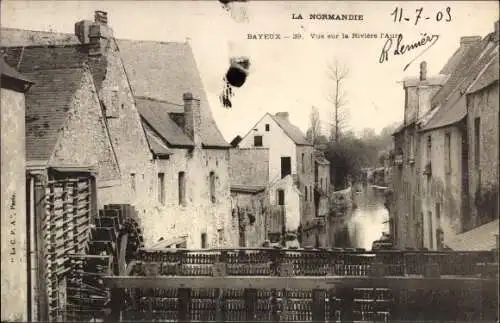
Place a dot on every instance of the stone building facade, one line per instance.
(438, 166)
(290, 154)
(249, 195)
(484, 141)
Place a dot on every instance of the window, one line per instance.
(257, 141)
(303, 163)
(267, 126)
(203, 241)
(132, 181)
(305, 189)
(182, 188)
(429, 147)
(312, 162)
(412, 148)
(212, 187)
(477, 142)
(281, 197)
(431, 233)
(447, 153)
(161, 188)
(286, 166)
(220, 233)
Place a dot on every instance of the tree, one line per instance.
(338, 74)
(314, 130)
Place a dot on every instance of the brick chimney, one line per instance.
(495, 34)
(467, 40)
(423, 71)
(192, 118)
(283, 115)
(95, 34)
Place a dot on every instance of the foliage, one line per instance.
(352, 153)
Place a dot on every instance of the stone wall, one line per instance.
(127, 136)
(483, 179)
(441, 191)
(199, 214)
(84, 140)
(13, 216)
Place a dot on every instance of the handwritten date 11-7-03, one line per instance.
(439, 16)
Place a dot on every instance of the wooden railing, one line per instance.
(306, 285)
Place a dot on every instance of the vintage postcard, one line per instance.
(245, 160)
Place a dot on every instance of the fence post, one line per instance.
(250, 304)
(220, 270)
(184, 294)
(318, 305)
(184, 302)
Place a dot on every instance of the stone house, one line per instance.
(129, 75)
(406, 225)
(249, 195)
(480, 223)
(431, 202)
(290, 154)
(14, 243)
(193, 178)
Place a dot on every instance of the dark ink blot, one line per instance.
(236, 77)
(238, 71)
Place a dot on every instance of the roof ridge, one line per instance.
(43, 46)
(153, 41)
(157, 100)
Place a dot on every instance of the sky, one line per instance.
(286, 74)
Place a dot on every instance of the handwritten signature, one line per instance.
(401, 49)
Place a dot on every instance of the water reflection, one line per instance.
(365, 223)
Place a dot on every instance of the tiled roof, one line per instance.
(40, 57)
(57, 72)
(249, 167)
(7, 70)
(453, 107)
(291, 130)
(488, 76)
(47, 104)
(165, 71)
(157, 70)
(22, 37)
(457, 67)
(477, 239)
(155, 113)
(155, 142)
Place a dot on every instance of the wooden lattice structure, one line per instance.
(114, 239)
(64, 204)
(305, 285)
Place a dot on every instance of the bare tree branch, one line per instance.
(314, 125)
(338, 73)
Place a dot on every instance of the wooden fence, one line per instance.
(277, 285)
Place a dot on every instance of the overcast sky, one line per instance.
(286, 75)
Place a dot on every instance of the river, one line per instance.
(364, 223)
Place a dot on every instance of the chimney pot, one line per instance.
(101, 17)
(467, 40)
(423, 71)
